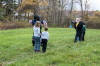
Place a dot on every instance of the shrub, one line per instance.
(1, 14)
(14, 25)
(93, 22)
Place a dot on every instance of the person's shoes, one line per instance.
(43, 51)
(35, 51)
(38, 51)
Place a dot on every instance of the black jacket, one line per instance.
(79, 26)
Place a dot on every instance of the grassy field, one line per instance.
(16, 48)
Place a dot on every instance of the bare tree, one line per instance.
(81, 4)
(87, 6)
(71, 7)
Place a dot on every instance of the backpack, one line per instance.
(84, 28)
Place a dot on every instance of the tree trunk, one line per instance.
(81, 3)
(71, 7)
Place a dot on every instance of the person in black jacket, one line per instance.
(36, 18)
(78, 26)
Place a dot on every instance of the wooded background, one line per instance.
(58, 13)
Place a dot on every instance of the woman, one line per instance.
(37, 36)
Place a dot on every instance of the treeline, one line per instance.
(58, 13)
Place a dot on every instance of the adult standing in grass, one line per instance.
(79, 27)
(36, 18)
(37, 36)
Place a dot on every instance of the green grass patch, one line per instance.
(16, 48)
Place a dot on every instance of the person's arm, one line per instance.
(75, 25)
(30, 21)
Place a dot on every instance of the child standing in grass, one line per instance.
(37, 36)
(44, 37)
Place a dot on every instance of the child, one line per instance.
(44, 37)
(37, 36)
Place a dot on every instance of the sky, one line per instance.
(94, 4)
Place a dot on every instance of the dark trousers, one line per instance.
(44, 44)
(78, 34)
(33, 41)
(83, 34)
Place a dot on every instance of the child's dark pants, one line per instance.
(44, 44)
